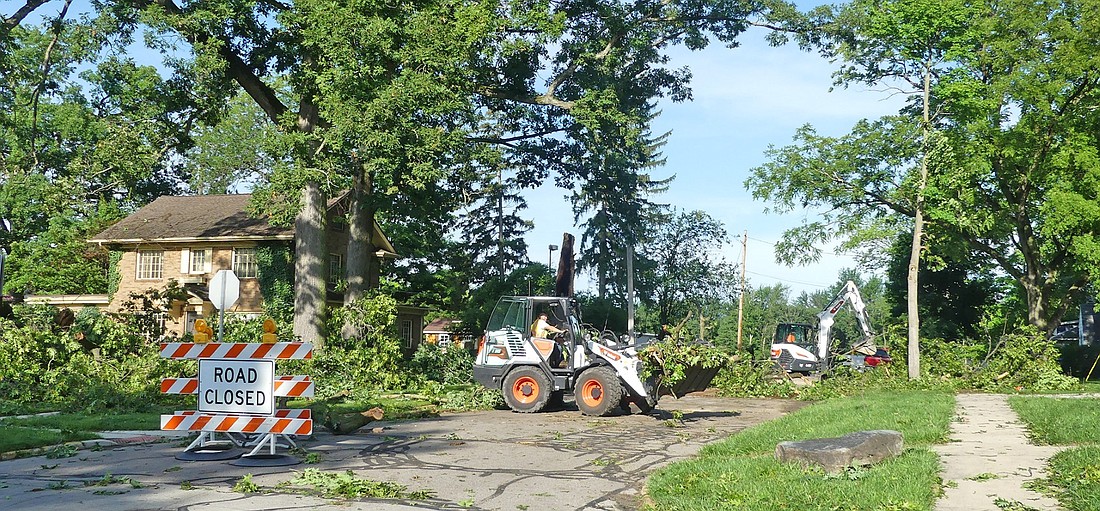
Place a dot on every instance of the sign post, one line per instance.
(225, 289)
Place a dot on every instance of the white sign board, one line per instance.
(225, 289)
(237, 386)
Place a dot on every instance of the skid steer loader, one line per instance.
(604, 374)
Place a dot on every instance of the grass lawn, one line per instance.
(742, 472)
(1055, 421)
(1074, 474)
(14, 438)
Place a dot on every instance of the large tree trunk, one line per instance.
(360, 243)
(309, 265)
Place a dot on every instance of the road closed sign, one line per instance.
(237, 386)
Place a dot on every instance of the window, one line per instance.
(200, 259)
(150, 264)
(336, 270)
(244, 262)
(407, 333)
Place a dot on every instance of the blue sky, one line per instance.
(744, 99)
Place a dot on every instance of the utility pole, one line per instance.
(741, 298)
(630, 292)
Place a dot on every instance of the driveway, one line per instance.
(496, 460)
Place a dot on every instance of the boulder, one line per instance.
(836, 454)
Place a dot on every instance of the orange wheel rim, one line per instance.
(525, 390)
(592, 392)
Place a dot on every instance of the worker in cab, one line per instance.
(542, 327)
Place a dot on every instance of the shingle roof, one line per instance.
(189, 217)
(441, 325)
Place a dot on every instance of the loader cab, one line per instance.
(509, 334)
(798, 334)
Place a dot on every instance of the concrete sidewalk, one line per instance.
(989, 458)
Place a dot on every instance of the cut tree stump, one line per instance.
(836, 454)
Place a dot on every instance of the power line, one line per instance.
(766, 242)
(789, 281)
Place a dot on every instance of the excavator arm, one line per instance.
(848, 294)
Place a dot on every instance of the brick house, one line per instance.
(189, 238)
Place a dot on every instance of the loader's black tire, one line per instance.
(526, 390)
(598, 391)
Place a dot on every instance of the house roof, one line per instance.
(440, 326)
(190, 218)
(182, 218)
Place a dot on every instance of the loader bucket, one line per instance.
(696, 378)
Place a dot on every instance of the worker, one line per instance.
(543, 328)
(790, 337)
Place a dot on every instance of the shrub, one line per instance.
(753, 378)
(44, 366)
(452, 365)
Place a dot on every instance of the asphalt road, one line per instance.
(492, 460)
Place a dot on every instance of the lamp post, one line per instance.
(550, 261)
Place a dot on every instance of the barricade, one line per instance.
(236, 389)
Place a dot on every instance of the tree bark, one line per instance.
(563, 284)
(361, 247)
(309, 266)
(912, 281)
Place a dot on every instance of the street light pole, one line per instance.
(550, 261)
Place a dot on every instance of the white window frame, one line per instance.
(150, 265)
(245, 267)
(334, 278)
(406, 332)
(195, 261)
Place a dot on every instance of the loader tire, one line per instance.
(526, 390)
(598, 391)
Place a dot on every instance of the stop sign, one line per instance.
(225, 288)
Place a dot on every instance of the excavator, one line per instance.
(800, 348)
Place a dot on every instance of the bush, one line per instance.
(450, 366)
(1023, 360)
(753, 378)
(43, 366)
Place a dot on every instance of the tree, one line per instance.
(687, 269)
(908, 42)
(1024, 130)
(1013, 159)
(86, 136)
(617, 195)
(398, 103)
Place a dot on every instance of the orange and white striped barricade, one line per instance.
(236, 390)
